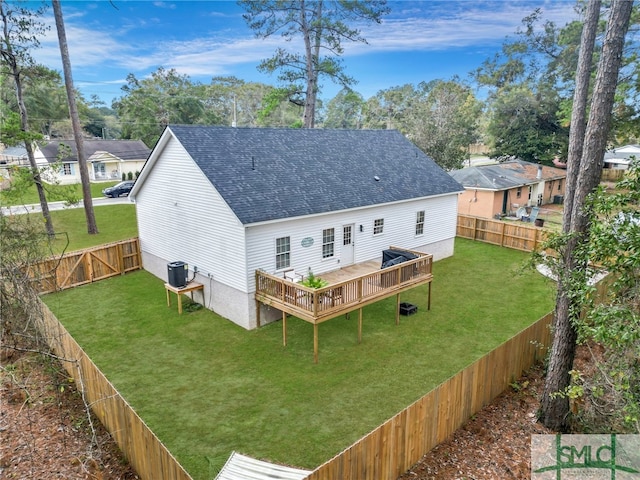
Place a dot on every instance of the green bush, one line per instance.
(312, 281)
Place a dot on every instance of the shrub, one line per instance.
(312, 281)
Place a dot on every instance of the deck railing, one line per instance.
(317, 305)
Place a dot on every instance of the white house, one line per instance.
(106, 159)
(620, 158)
(230, 201)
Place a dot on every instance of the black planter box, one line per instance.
(408, 308)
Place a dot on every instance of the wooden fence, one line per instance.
(396, 445)
(612, 174)
(516, 235)
(144, 451)
(86, 266)
(385, 453)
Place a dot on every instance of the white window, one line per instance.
(420, 222)
(66, 169)
(328, 238)
(378, 226)
(346, 235)
(283, 253)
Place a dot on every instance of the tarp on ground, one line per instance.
(241, 467)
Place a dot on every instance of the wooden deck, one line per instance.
(349, 289)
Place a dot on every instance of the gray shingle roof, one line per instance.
(123, 149)
(274, 173)
(503, 176)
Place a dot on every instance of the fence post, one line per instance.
(120, 255)
(87, 259)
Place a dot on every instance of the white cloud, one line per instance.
(141, 43)
(424, 29)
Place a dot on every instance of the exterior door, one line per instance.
(346, 254)
(99, 170)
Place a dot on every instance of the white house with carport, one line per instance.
(230, 201)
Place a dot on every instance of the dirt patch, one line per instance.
(494, 443)
(44, 429)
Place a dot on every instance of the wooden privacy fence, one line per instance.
(86, 266)
(144, 451)
(612, 174)
(385, 453)
(396, 445)
(516, 235)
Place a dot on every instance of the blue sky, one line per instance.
(418, 41)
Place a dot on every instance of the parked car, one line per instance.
(122, 188)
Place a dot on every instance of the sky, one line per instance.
(419, 40)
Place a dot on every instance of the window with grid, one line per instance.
(66, 169)
(378, 226)
(346, 235)
(328, 237)
(283, 253)
(519, 192)
(420, 222)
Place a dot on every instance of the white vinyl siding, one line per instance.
(181, 217)
(399, 231)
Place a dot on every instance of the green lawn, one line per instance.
(53, 192)
(115, 222)
(206, 386)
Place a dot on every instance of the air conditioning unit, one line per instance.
(177, 273)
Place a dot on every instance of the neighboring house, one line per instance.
(106, 160)
(620, 158)
(9, 157)
(505, 187)
(231, 201)
(13, 155)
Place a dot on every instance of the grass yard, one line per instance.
(207, 387)
(115, 222)
(53, 192)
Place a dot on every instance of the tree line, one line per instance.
(567, 91)
(525, 111)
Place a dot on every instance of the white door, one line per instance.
(346, 254)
